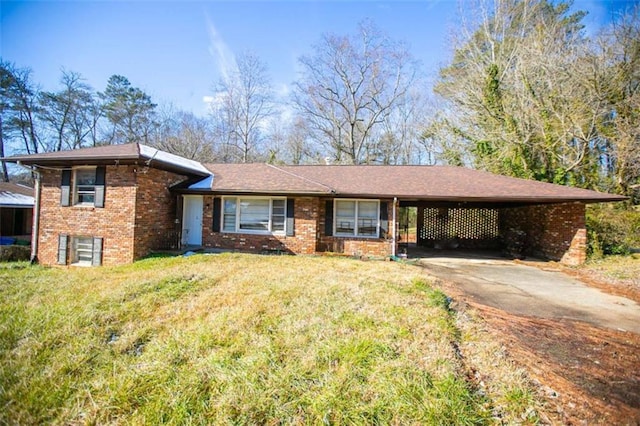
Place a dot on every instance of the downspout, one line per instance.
(393, 238)
(35, 227)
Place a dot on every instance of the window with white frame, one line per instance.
(84, 187)
(82, 250)
(356, 218)
(255, 215)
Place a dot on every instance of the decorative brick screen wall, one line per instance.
(466, 227)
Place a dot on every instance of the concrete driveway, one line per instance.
(527, 290)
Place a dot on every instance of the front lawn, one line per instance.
(244, 339)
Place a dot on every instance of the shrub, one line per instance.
(14, 253)
(612, 229)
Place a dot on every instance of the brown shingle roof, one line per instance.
(110, 152)
(433, 183)
(261, 178)
(121, 154)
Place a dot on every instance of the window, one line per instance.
(278, 209)
(254, 215)
(88, 187)
(84, 189)
(82, 253)
(229, 215)
(356, 218)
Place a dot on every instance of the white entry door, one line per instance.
(192, 220)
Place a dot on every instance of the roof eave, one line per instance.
(496, 199)
(16, 206)
(106, 161)
(248, 192)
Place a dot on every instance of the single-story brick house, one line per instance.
(16, 211)
(115, 204)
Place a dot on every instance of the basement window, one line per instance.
(79, 250)
(82, 251)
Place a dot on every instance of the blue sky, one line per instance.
(177, 51)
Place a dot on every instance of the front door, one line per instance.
(192, 220)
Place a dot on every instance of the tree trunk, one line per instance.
(5, 173)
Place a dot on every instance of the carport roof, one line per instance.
(419, 183)
(16, 196)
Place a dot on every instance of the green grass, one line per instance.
(616, 269)
(239, 339)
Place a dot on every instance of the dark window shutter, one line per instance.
(96, 260)
(328, 219)
(65, 188)
(216, 214)
(291, 223)
(62, 249)
(384, 219)
(100, 184)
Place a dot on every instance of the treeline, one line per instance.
(358, 100)
(526, 93)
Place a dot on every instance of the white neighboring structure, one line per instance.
(16, 210)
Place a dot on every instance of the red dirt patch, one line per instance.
(586, 373)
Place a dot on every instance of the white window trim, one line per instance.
(74, 195)
(74, 254)
(355, 228)
(249, 231)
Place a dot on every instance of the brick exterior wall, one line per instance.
(553, 231)
(309, 235)
(378, 247)
(138, 209)
(155, 214)
(302, 242)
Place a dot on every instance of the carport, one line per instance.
(550, 230)
(498, 214)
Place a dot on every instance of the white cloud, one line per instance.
(282, 90)
(221, 52)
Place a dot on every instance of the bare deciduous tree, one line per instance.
(349, 87)
(241, 108)
(19, 105)
(71, 114)
(399, 141)
(290, 142)
(531, 96)
(512, 92)
(184, 134)
(616, 62)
